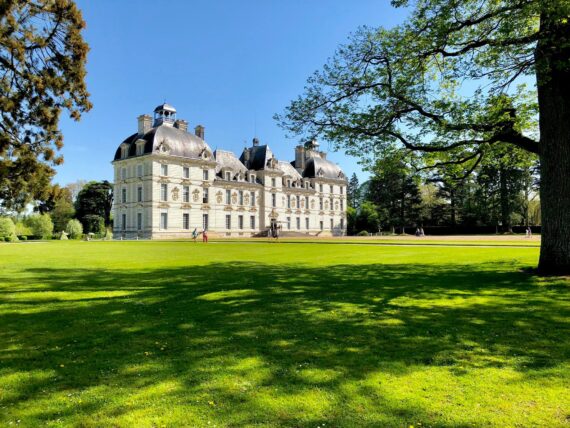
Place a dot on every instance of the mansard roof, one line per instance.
(317, 167)
(288, 170)
(167, 139)
(225, 159)
(259, 156)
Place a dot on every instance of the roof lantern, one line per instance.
(164, 114)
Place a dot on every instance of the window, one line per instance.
(124, 152)
(252, 222)
(342, 224)
(332, 188)
(306, 202)
(123, 173)
(252, 178)
(163, 170)
(139, 170)
(123, 222)
(140, 149)
(307, 223)
(252, 198)
(139, 194)
(164, 221)
(321, 225)
(321, 188)
(332, 204)
(205, 174)
(341, 190)
(205, 196)
(186, 221)
(228, 221)
(273, 200)
(320, 203)
(342, 204)
(205, 221)
(298, 223)
(163, 192)
(124, 195)
(186, 172)
(288, 201)
(273, 182)
(288, 222)
(298, 201)
(241, 197)
(228, 175)
(228, 197)
(332, 224)
(186, 193)
(240, 222)
(139, 221)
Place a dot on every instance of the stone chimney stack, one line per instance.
(145, 123)
(300, 158)
(181, 124)
(199, 131)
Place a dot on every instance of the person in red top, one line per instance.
(205, 236)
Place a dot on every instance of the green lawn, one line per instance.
(280, 334)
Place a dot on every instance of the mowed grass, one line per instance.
(280, 334)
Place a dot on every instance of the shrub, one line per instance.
(362, 233)
(74, 229)
(41, 225)
(7, 229)
(93, 224)
(22, 229)
(23, 237)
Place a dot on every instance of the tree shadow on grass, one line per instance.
(247, 343)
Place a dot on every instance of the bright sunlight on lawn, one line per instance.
(280, 334)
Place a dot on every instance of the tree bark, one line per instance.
(553, 82)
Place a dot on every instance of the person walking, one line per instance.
(205, 236)
(195, 234)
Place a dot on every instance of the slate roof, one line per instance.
(289, 170)
(327, 168)
(225, 159)
(180, 143)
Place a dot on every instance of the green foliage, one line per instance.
(59, 204)
(42, 66)
(93, 224)
(353, 192)
(362, 233)
(40, 225)
(393, 189)
(94, 199)
(367, 218)
(22, 229)
(74, 229)
(7, 228)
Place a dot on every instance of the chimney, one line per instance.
(255, 141)
(199, 131)
(300, 158)
(181, 124)
(145, 123)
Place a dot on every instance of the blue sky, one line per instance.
(228, 65)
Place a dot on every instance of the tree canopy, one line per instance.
(42, 73)
(457, 78)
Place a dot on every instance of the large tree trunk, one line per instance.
(553, 79)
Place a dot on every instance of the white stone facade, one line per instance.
(168, 182)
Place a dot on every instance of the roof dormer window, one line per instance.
(124, 151)
(140, 147)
